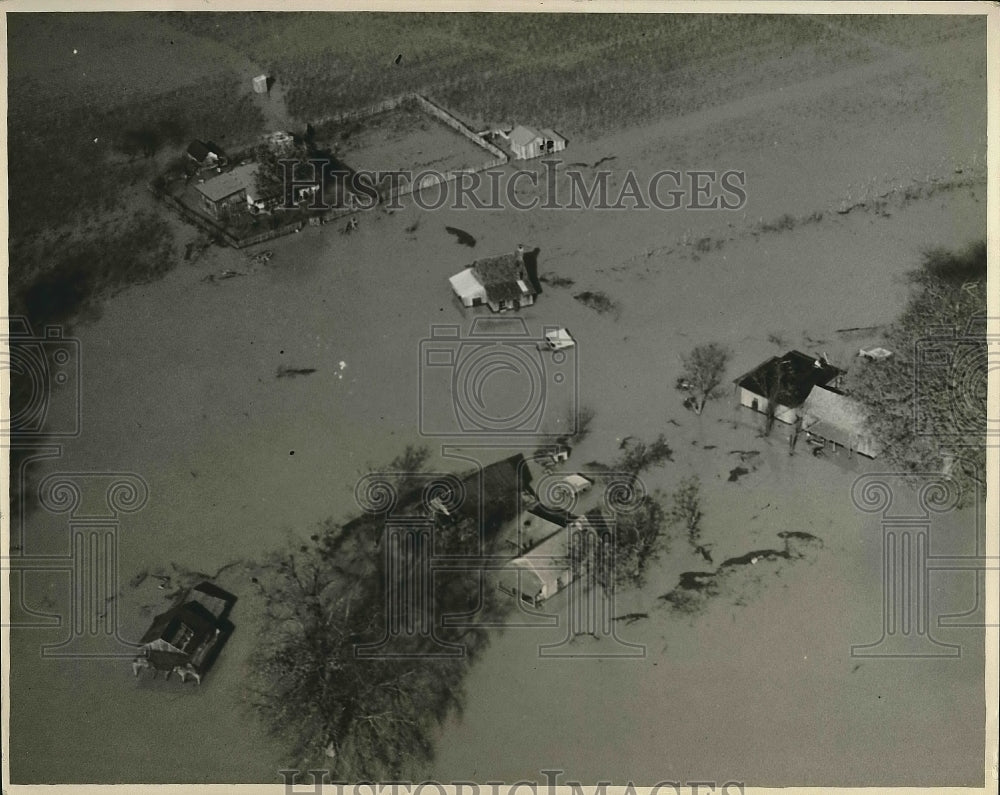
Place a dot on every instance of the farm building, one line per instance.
(204, 155)
(805, 391)
(526, 142)
(227, 191)
(500, 282)
(547, 568)
(260, 84)
(834, 417)
(530, 529)
(787, 380)
(192, 632)
(232, 189)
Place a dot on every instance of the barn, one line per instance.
(527, 142)
(787, 380)
(831, 416)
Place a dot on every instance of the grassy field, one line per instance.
(402, 138)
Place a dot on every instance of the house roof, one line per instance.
(522, 136)
(503, 277)
(547, 561)
(166, 626)
(551, 135)
(241, 178)
(799, 374)
(217, 601)
(493, 494)
(465, 284)
(577, 482)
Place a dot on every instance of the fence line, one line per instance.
(499, 158)
(444, 116)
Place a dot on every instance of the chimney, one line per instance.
(519, 255)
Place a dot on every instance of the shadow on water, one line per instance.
(531, 265)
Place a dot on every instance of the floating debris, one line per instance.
(736, 473)
(292, 372)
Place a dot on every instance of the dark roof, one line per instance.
(799, 373)
(500, 276)
(554, 515)
(217, 601)
(191, 614)
(496, 496)
(199, 150)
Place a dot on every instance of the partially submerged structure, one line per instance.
(190, 635)
(229, 191)
(500, 282)
(547, 568)
(527, 142)
(804, 391)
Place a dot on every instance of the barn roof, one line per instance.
(799, 373)
(503, 277)
(522, 135)
(241, 178)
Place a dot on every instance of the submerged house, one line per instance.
(192, 632)
(805, 392)
(787, 380)
(500, 282)
(226, 192)
(547, 568)
(527, 142)
(831, 416)
(239, 188)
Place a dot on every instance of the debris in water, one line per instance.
(462, 237)
(292, 372)
(736, 473)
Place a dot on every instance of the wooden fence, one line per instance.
(499, 158)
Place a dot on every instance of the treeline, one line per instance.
(77, 176)
(927, 404)
(321, 682)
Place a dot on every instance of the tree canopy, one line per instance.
(927, 404)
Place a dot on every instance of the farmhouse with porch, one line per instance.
(806, 393)
(500, 282)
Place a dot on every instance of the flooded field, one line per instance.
(182, 386)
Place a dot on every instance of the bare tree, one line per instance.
(686, 512)
(704, 369)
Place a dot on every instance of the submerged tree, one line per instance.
(926, 405)
(704, 369)
(320, 678)
(685, 511)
